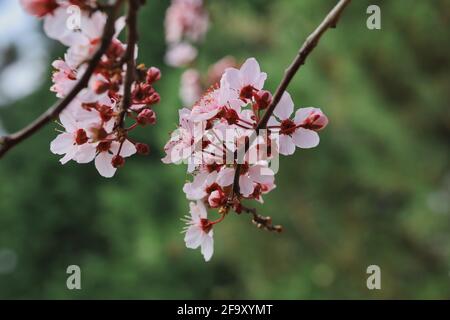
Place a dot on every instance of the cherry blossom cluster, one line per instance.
(93, 124)
(186, 23)
(217, 135)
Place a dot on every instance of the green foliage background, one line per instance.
(376, 190)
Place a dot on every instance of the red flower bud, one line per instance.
(118, 161)
(145, 117)
(153, 75)
(142, 148)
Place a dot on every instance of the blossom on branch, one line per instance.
(228, 160)
(94, 124)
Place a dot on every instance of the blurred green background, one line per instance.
(375, 191)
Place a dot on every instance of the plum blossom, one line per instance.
(95, 125)
(198, 230)
(186, 19)
(191, 87)
(180, 54)
(73, 142)
(246, 80)
(106, 151)
(300, 131)
(227, 114)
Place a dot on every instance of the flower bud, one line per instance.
(142, 148)
(153, 75)
(145, 117)
(217, 198)
(316, 121)
(118, 161)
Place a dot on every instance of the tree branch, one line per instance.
(128, 58)
(8, 142)
(311, 42)
(261, 221)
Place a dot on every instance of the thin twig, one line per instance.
(261, 221)
(128, 58)
(8, 142)
(311, 42)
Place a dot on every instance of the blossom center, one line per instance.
(81, 137)
(104, 146)
(288, 126)
(206, 225)
(246, 92)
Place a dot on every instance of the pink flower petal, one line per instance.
(104, 166)
(285, 107)
(246, 186)
(305, 138)
(287, 146)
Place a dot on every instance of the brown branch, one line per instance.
(261, 221)
(128, 58)
(311, 42)
(8, 142)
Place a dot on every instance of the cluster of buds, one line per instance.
(186, 23)
(93, 124)
(228, 160)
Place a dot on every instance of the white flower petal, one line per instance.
(104, 166)
(207, 246)
(287, 146)
(250, 72)
(128, 149)
(225, 177)
(62, 143)
(302, 113)
(305, 138)
(285, 107)
(193, 237)
(246, 186)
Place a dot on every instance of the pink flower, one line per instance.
(300, 131)
(39, 8)
(106, 151)
(74, 142)
(198, 188)
(182, 143)
(199, 231)
(180, 54)
(186, 19)
(246, 80)
(83, 39)
(250, 175)
(191, 87)
(64, 78)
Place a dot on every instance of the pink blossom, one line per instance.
(250, 175)
(198, 230)
(191, 87)
(106, 152)
(246, 80)
(300, 131)
(74, 142)
(186, 19)
(180, 54)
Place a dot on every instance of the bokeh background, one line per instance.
(376, 190)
